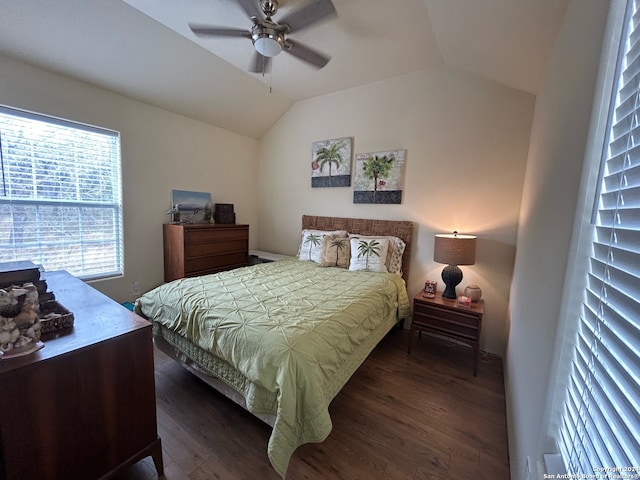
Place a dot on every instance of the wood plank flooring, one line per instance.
(400, 417)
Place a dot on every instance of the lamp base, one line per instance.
(451, 276)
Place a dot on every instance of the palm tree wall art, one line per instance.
(379, 177)
(331, 163)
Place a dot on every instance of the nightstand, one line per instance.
(443, 316)
(260, 256)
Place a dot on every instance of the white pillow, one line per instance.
(393, 262)
(336, 251)
(311, 244)
(369, 254)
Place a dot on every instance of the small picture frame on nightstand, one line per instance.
(430, 289)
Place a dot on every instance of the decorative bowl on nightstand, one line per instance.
(473, 292)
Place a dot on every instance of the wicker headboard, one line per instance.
(398, 228)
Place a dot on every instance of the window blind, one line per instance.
(60, 194)
(600, 424)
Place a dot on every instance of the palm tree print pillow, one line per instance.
(336, 251)
(311, 244)
(397, 246)
(369, 254)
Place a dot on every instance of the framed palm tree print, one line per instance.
(379, 177)
(331, 163)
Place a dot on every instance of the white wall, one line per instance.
(160, 151)
(466, 140)
(558, 141)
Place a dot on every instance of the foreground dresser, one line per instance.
(198, 249)
(82, 407)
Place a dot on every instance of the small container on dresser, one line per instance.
(223, 213)
(199, 249)
(445, 317)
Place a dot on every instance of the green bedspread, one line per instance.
(290, 327)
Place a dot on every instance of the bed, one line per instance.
(282, 338)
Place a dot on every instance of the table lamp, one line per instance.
(453, 250)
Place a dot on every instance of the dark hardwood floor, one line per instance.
(418, 416)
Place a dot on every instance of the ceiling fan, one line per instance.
(269, 37)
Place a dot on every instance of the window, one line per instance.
(60, 194)
(599, 428)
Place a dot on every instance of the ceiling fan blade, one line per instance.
(304, 17)
(306, 54)
(250, 7)
(260, 64)
(213, 31)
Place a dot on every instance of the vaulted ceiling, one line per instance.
(144, 49)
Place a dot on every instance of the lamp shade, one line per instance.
(454, 249)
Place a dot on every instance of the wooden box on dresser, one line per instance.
(198, 249)
(82, 407)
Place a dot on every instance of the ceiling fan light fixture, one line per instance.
(268, 46)
(268, 41)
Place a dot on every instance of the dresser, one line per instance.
(444, 317)
(83, 407)
(198, 249)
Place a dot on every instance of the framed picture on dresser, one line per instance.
(192, 207)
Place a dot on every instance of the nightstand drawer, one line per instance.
(459, 317)
(447, 327)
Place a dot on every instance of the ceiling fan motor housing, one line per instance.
(269, 7)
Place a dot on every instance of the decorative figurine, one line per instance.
(175, 213)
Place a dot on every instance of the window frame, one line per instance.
(576, 278)
(115, 268)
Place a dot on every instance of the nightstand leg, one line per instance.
(476, 354)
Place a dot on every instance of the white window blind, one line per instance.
(600, 424)
(60, 194)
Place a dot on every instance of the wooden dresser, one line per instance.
(82, 407)
(198, 249)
